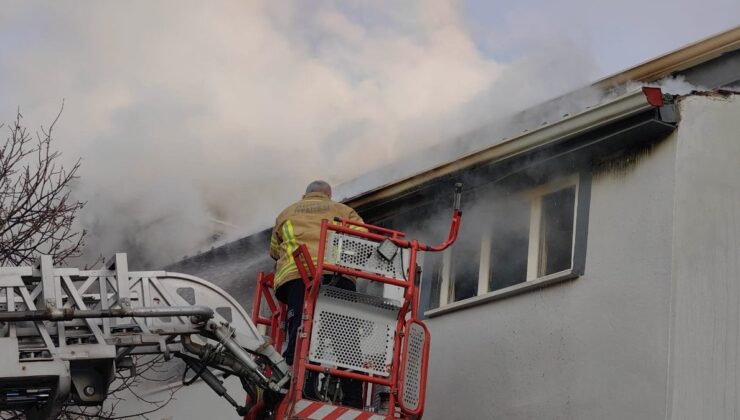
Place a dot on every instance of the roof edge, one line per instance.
(621, 107)
(677, 60)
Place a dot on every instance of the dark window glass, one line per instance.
(432, 278)
(506, 217)
(509, 242)
(465, 261)
(556, 231)
(465, 266)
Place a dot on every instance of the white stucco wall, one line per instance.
(651, 330)
(594, 347)
(705, 357)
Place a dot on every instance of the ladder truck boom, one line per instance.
(64, 332)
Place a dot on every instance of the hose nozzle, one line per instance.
(458, 195)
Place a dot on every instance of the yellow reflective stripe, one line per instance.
(291, 245)
(290, 241)
(358, 228)
(291, 266)
(285, 270)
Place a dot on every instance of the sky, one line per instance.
(186, 113)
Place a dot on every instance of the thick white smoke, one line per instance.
(190, 112)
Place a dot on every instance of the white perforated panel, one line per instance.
(361, 254)
(412, 373)
(353, 330)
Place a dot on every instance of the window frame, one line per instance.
(582, 183)
(534, 255)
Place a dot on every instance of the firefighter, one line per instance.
(298, 224)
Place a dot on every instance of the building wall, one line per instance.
(705, 360)
(649, 331)
(594, 347)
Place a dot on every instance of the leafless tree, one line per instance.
(36, 211)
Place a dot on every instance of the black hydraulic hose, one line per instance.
(210, 357)
(216, 385)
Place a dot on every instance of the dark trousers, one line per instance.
(291, 294)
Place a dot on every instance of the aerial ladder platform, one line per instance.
(376, 339)
(65, 332)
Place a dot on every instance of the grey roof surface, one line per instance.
(498, 129)
(233, 266)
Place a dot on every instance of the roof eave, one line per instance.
(675, 61)
(607, 113)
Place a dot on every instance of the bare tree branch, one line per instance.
(37, 214)
(122, 389)
(36, 211)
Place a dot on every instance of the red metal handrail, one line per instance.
(370, 228)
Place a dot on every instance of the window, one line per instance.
(456, 273)
(555, 241)
(513, 238)
(552, 218)
(507, 243)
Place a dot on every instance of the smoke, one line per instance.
(672, 85)
(187, 112)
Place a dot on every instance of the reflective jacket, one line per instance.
(298, 224)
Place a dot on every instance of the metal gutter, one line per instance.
(681, 59)
(599, 116)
